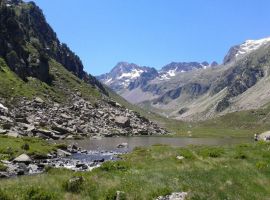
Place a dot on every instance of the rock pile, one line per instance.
(78, 118)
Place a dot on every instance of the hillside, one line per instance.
(45, 91)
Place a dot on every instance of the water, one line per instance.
(110, 144)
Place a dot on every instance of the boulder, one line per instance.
(44, 132)
(38, 100)
(6, 119)
(60, 129)
(2, 131)
(13, 134)
(122, 145)
(4, 175)
(180, 157)
(24, 158)
(2, 107)
(122, 121)
(62, 153)
(65, 116)
(264, 136)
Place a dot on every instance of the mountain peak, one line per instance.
(244, 48)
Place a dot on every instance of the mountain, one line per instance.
(131, 76)
(122, 75)
(45, 91)
(198, 91)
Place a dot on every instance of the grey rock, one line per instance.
(13, 134)
(60, 129)
(122, 145)
(2, 107)
(38, 100)
(2, 131)
(180, 157)
(122, 121)
(6, 119)
(24, 158)
(4, 175)
(65, 116)
(62, 153)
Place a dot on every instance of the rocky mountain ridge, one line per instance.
(131, 76)
(206, 91)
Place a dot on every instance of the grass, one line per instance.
(230, 172)
(238, 124)
(63, 83)
(13, 147)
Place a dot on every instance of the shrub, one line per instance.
(187, 154)
(240, 155)
(25, 147)
(74, 185)
(36, 193)
(211, 152)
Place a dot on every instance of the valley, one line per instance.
(187, 131)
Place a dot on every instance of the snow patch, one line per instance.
(133, 74)
(108, 81)
(251, 45)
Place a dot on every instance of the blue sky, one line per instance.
(154, 32)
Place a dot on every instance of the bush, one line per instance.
(36, 193)
(211, 152)
(187, 154)
(74, 185)
(240, 155)
(25, 147)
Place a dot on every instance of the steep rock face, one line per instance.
(191, 90)
(144, 78)
(28, 42)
